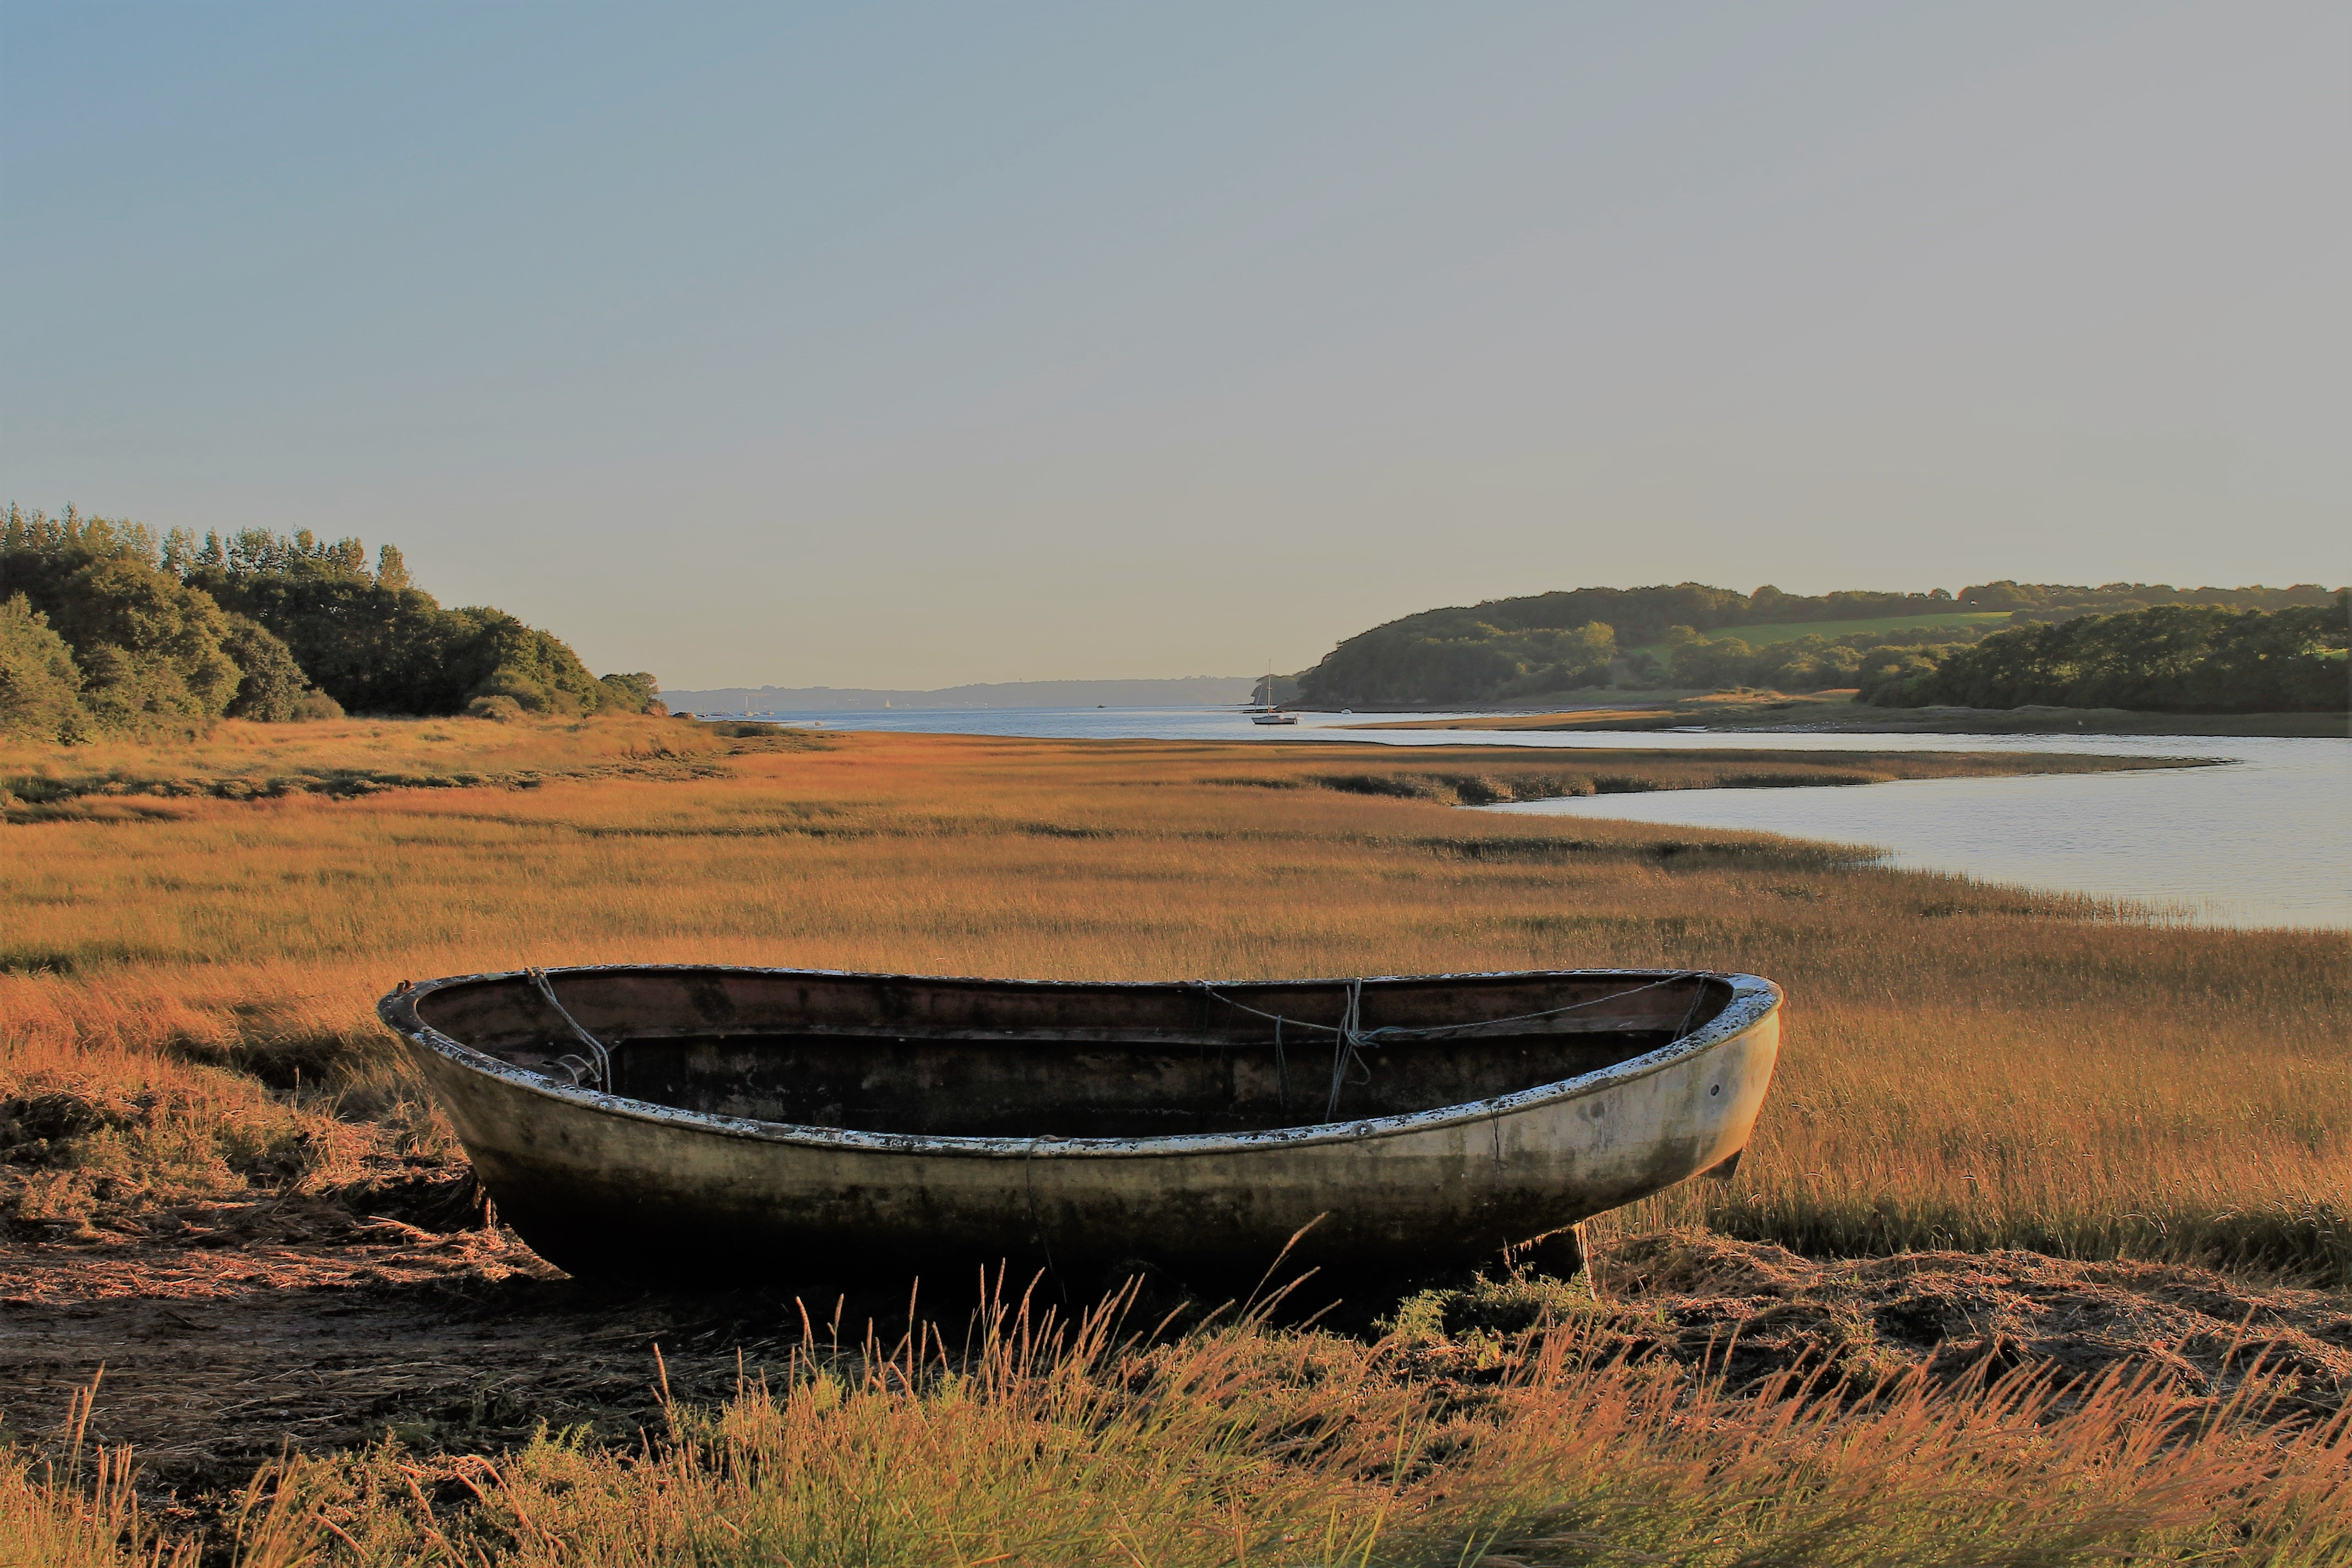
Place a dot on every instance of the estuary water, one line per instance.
(2264, 839)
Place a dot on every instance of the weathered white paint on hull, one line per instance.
(603, 1184)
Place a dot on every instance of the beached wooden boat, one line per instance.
(801, 1125)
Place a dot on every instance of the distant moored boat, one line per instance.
(1268, 712)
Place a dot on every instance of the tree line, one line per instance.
(2166, 659)
(2179, 659)
(2054, 601)
(1558, 641)
(1811, 663)
(1684, 635)
(106, 626)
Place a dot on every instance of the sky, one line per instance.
(912, 345)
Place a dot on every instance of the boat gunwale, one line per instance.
(1753, 999)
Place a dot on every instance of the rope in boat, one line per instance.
(1349, 1035)
(1036, 1225)
(1344, 1048)
(598, 1064)
(1441, 1031)
(1698, 996)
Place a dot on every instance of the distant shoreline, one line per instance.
(1183, 691)
(1836, 714)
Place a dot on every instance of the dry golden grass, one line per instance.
(1965, 1066)
(1237, 1444)
(128, 780)
(233, 747)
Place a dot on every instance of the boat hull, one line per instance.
(603, 1185)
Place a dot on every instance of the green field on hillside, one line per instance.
(1757, 635)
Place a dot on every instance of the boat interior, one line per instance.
(891, 1054)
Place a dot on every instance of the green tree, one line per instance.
(1710, 664)
(272, 688)
(40, 685)
(636, 693)
(503, 657)
(1496, 648)
(2174, 657)
(150, 648)
(371, 641)
(377, 643)
(264, 625)
(1811, 663)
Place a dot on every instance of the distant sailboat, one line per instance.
(1267, 713)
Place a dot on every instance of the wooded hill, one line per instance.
(107, 627)
(2167, 658)
(2289, 657)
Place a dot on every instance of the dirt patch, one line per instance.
(1748, 1310)
(1757, 1307)
(296, 1325)
(303, 1322)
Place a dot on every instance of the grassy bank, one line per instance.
(124, 779)
(1837, 712)
(187, 1046)
(1038, 1443)
(1965, 1066)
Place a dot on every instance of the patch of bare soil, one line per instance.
(1758, 1308)
(304, 1323)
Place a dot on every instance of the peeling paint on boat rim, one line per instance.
(637, 1175)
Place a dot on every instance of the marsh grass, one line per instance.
(1036, 1441)
(185, 1012)
(237, 761)
(1964, 1066)
(82, 1510)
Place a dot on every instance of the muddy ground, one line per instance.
(313, 1324)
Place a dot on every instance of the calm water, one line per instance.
(2264, 840)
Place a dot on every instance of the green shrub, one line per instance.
(2175, 659)
(40, 685)
(260, 626)
(273, 685)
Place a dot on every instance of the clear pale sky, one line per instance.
(914, 345)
